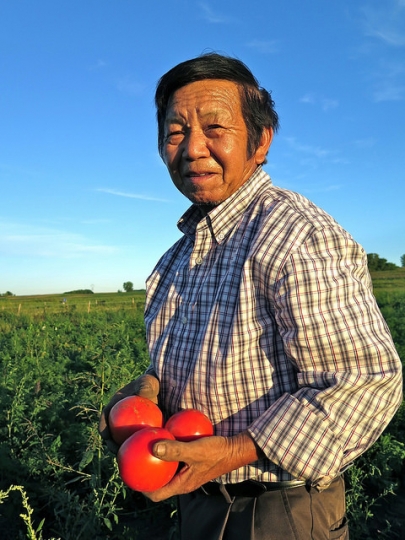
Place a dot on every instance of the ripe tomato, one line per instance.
(139, 468)
(189, 424)
(131, 414)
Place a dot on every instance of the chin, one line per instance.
(206, 204)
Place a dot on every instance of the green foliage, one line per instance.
(57, 372)
(80, 291)
(128, 286)
(374, 476)
(392, 305)
(375, 262)
(59, 365)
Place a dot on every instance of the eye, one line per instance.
(213, 130)
(175, 137)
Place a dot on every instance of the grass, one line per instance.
(389, 281)
(60, 361)
(57, 303)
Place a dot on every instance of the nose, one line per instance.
(195, 145)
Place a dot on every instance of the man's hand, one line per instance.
(145, 386)
(203, 459)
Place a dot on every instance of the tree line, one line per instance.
(375, 262)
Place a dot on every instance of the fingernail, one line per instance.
(160, 450)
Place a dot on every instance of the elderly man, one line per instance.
(261, 316)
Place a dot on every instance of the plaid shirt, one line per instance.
(262, 316)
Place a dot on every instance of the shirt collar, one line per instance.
(221, 219)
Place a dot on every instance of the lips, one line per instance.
(197, 174)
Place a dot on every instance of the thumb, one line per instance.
(147, 386)
(169, 450)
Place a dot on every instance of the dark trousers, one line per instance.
(301, 513)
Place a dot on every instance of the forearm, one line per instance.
(242, 451)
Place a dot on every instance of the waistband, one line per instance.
(248, 488)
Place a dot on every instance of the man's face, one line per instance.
(205, 141)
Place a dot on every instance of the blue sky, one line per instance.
(86, 201)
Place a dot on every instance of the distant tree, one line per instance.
(375, 262)
(403, 261)
(79, 291)
(128, 286)
(8, 293)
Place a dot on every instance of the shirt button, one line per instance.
(198, 260)
(184, 320)
(221, 236)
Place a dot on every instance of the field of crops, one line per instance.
(61, 358)
(386, 282)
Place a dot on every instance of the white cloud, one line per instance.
(213, 17)
(129, 86)
(311, 156)
(386, 22)
(365, 143)
(308, 98)
(389, 85)
(326, 104)
(263, 46)
(30, 240)
(131, 195)
(386, 91)
(100, 64)
(315, 151)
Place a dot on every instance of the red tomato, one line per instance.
(132, 414)
(189, 424)
(139, 468)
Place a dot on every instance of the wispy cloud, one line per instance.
(365, 143)
(312, 156)
(385, 22)
(131, 195)
(263, 46)
(99, 64)
(212, 16)
(315, 151)
(128, 85)
(30, 240)
(308, 98)
(326, 104)
(388, 92)
(389, 84)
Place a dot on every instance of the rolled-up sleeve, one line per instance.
(349, 375)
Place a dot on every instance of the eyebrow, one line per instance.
(177, 119)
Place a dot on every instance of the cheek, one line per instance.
(229, 150)
(169, 159)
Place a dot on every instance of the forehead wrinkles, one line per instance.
(205, 100)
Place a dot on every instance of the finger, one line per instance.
(167, 450)
(147, 386)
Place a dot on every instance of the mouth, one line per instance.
(194, 176)
(197, 175)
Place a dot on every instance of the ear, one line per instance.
(264, 145)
